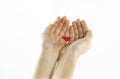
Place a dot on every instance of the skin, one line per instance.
(77, 31)
(80, 35)
(58, 53)
(52, 44)
(55, 32)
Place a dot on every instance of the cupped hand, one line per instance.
(80, 38)
(54, 33)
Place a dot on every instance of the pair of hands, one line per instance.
(78, 32)
(58, 56)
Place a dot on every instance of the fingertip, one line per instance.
(78, 20)
(89, 35)
(73, 22)
(83, 22)
(64, 17)
(84, 25)
(58, 17)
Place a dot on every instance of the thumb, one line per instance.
(82, 45)
(89, 35)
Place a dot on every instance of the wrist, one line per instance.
(46, 63)
(51, 51)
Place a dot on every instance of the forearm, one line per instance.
(65, 66)
(66, 63)
(46, 64)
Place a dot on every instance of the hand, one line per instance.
(79, 44)
(52, 44)
(54, 32)
(80, 37)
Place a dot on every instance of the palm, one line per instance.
(78, 33)
(80, 40)
(54, 33)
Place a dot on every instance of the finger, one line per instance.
(48, 28)
(53, 28)
(84, 27)
(89, 35)
(75, 30)
(63, 30)
(79, 28)
(67, 34)
(67, 31)
(60, 25)
(71, 33)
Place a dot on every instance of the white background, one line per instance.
(23, 21)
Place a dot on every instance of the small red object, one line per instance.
(67, 39)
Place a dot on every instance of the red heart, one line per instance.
(67, 39)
